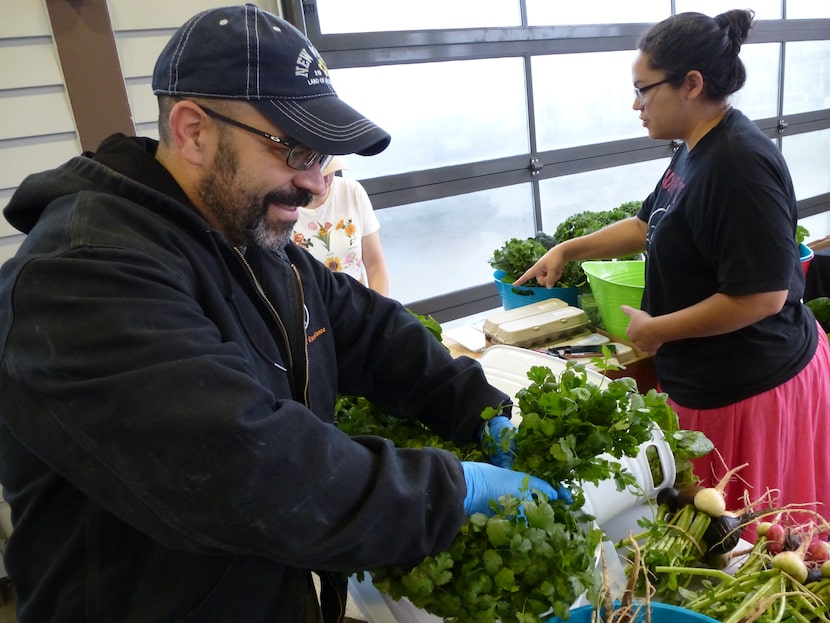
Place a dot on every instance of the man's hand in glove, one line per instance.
(498, 441)
(487, 482)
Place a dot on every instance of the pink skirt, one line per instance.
(784, 436)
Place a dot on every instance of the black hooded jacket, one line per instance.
(166, 403)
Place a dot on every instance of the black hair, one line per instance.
(166, 103)
(710, 45)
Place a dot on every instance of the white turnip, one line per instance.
(710, 501)
(792, 564)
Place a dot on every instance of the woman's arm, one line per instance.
(716, 315)
(375, 263)
(617, 239)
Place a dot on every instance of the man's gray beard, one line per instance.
(267, 238)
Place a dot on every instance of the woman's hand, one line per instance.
(547, 270)
(639, 331)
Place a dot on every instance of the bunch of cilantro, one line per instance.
(525, 565)
(568, 422)
(520, 565)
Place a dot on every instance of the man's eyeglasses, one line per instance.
(640, 92)
(300, 157)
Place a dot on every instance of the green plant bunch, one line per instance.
(534, 557)
(568, 422)
(516, 256)
(589, 221)
(821, 310)
(355, 415)
(801, 234)
(530, 560)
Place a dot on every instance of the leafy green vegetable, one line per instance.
(546, 240)
(801, 234)
(567, 422)
(431, 324)
(516, 256)
(512, 567)
(589, 221)
(534, 557)
(821, 310)
(355, 415)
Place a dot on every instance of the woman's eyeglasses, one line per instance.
(640, 92)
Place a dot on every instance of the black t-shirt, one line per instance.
(723, 219)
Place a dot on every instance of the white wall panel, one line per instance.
(20, 158)
(24, 18)
(37, 128)
(152, 14)
(35, 114)
(5, 228)
(143, 103)
(138, 51)
(29, 63)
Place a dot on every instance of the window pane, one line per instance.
(584, 98)
(809, 161)
(440, 246)
(806, 9)
(806, 76)
(439, 114)
(597, 190)
(764, 9)
(338, 16)
(818, 225)
(758, 99)
(548, 13)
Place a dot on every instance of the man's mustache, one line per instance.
(299, 198)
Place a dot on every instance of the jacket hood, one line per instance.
(121, 165)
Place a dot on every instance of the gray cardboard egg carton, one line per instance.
(536, 324)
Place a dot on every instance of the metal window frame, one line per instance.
(389, 48)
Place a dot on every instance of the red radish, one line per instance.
(774, 547)
(776, 533)
(818, 551)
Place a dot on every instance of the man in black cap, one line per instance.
(170, 363)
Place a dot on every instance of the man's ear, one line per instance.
(694, 84)
(189, 129)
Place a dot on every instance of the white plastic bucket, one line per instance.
(604, 502)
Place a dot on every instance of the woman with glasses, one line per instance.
(739, 355)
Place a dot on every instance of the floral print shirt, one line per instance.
(333, 231)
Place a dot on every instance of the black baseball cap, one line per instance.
(244, 53)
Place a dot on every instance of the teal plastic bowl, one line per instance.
(807, 255)
(660, 613)
(519, 296)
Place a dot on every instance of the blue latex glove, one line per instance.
(492, 434)
(487, 482)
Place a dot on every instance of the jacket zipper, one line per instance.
(301, 312)
(261, 291)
